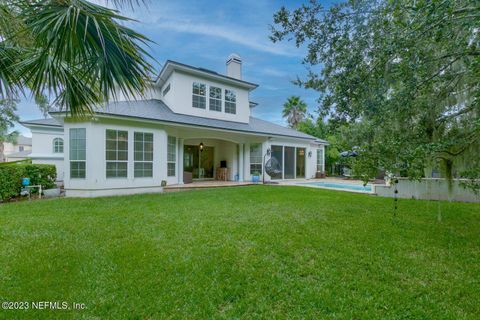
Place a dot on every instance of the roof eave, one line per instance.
(266, 134)
(191, 69)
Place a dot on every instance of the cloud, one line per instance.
(229, 33)
(274, 72)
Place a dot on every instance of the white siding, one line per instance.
(179, 98)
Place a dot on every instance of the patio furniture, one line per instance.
(273, 168)
(187, 177)
(222, 174)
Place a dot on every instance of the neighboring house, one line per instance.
(193, 123)
(19, 150)
(47, 143)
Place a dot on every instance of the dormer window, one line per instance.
(215, 99)
(230, 101)
(199, 98)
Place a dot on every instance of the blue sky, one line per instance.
(204, 33)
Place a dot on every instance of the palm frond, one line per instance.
(83, 54)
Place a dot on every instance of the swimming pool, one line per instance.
(342, 186)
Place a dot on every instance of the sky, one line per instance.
(205, 33)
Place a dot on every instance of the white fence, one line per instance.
(428, 189)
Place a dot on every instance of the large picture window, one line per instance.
(171, 156)
(215, 99)
(199, 96)
(320, 160)
(58, 145)
(116, 153)
(78, 153)
(256, 158)
(143, 154)
(230, 101)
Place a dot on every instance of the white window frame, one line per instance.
(230, 104)
(202, 98)
(215, 100)
(171, 156)
(256, 160)
(78, 156)
(117, 161)
(58, 145)
(320, 160)
(141, 156)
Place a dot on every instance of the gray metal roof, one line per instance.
(42, 122)
(157, 110)
(170, 65)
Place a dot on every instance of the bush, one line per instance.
(11, 178)
(41, 174)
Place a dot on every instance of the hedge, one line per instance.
(11, 178)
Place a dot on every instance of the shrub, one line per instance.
(10, 181)
(11, 176)
(41, 174)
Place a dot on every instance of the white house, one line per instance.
(193, 124)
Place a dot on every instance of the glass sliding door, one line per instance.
(300, 163)
(289, 163)
(206, 163)
(199, 163)
(277, 153)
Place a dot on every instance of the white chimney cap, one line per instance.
(234, 66)
(235, 57)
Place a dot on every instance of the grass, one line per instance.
(250, 252)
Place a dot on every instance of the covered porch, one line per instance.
(208, 157)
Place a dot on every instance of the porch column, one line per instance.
(180, 161)
(240, 161)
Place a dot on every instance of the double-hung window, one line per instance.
(171, 156)
(256, 158)
(58, 145)
(78, 154)
(199, 95)
(116, 153)
(143, 154)
(230, 101)
(215, 99)
(320, 160)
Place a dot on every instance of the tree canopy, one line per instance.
(407, 70)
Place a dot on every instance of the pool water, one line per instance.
(343, 186)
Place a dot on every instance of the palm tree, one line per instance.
(294, 110)
(73, 50)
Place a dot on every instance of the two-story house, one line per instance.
(193, 124)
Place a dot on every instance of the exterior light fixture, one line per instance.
(201, 146)
(309, 154)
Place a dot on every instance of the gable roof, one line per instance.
(171, 65)
(157, 110)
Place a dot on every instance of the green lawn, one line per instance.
(249, 252)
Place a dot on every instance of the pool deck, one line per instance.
(296, 183)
